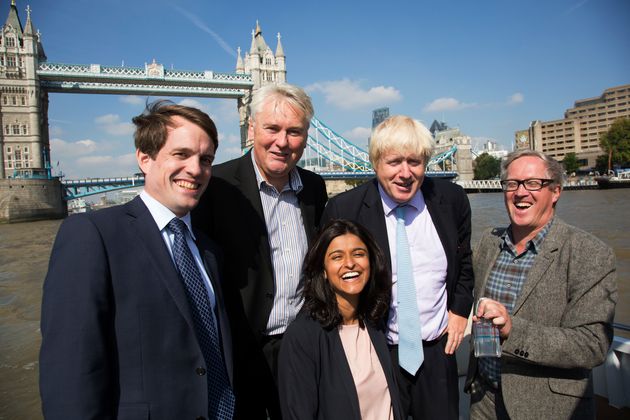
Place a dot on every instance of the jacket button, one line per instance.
(200, 371)
(526, 354)
(516, 351)
(522, 353)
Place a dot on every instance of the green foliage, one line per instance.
(570, 163)
(601, 164)
(487, 167)
(616, 142)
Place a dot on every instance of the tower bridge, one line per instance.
(27, 77)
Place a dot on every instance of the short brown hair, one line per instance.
(152, 125)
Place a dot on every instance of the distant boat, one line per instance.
(619, 180)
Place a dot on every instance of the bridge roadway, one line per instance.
(77, 188)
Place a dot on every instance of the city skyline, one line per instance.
(489, 68)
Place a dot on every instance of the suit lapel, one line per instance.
(487, 253)
(144, 225)
(372, 216)
(434, 205)
(542, 262)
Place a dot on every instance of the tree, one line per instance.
(570, 163)
(616, 142)
(487, 167)
(601, 164)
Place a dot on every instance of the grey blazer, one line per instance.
(561, 325)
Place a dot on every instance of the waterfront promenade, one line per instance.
(25, 249)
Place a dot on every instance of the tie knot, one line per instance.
(400, 212)
(177, 226)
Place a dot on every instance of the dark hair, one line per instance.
(320, 301)
(152, 125)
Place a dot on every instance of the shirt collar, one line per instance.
(533, 244)
(389, 205)
(295, 181)
(162, 214)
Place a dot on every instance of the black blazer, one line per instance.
(450, 211)
(231, 213)
(118, 340)
(315, 380)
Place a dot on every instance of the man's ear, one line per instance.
(143, 161)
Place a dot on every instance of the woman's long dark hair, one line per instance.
(320, 301)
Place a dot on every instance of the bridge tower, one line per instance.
(24, 144)
(265, 68)
(27, 191)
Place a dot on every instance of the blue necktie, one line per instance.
(410, 353)
(220, 396)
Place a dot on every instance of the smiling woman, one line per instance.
(334, 361)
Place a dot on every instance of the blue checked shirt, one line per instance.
(288, 245)
(505, 283)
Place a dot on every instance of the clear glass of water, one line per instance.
(486, 339)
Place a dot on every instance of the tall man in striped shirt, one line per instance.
(550, 288)
(263, 210)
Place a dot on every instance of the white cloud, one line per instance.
(107, 165)
(133, 100)
(358, 134)
(575, 6)
(72, 149)
(112, 125)
(348, 94)
(447, 104)
(515, 99)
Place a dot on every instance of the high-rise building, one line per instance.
(379, 115)
(580, 129)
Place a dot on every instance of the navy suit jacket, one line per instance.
(450, 211)
(118, 340)
(231, 213)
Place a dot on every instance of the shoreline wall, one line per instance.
(23, 200)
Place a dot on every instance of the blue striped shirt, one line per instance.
(505, 283)
(288, 245)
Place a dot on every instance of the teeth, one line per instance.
(350, 275)
(187, 185)
(522, 205)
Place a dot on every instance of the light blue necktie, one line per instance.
(410, 352)
(220, 396)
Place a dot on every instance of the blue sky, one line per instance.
(488, 67)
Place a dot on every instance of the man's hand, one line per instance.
(455, 330)
(493, 310)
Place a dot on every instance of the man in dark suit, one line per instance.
(263, 210)
(429, 220)
(133, 322)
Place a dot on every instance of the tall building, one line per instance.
(24, 146)
(265, 67)
(580, 129)
(379, 115)
(445, 140)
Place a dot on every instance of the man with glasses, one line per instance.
(550, 289)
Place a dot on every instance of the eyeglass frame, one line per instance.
(543, 183)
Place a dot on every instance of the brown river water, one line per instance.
(25, 249)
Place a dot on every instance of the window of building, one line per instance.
(26, 150)
(8, 149)
(21, 62)
(10, 61)
(9, 164)
(10, 42)
(24, 130)
(23, 100)
(14, 100)
(7, 130)
(17, 155)
(16, 128)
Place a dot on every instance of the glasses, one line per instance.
(532, 184)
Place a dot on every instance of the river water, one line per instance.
(25, 249)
